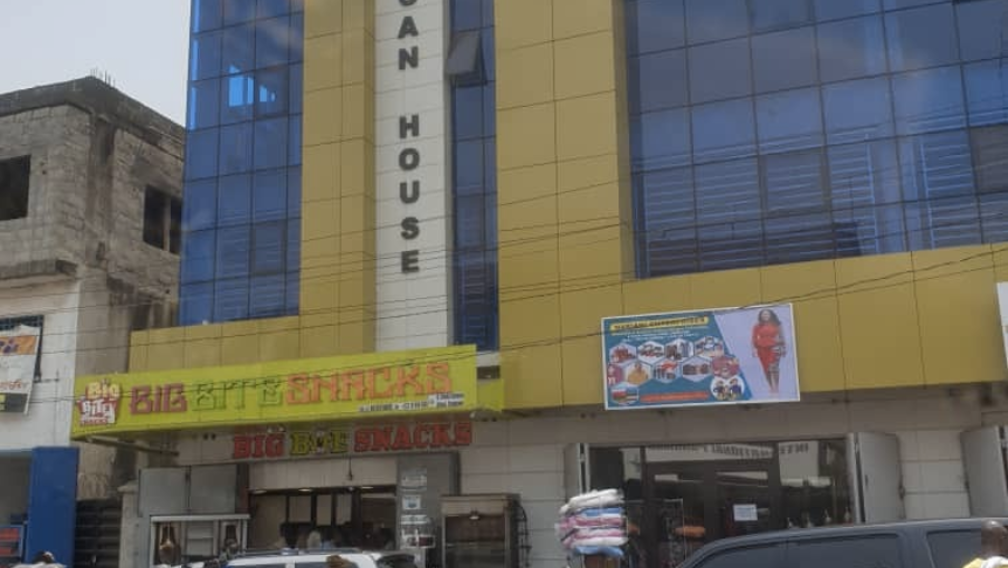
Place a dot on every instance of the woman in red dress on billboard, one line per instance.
(768, 347)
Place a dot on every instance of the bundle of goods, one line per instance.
(593, 524)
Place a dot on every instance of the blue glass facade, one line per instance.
(242, 199)
(474, 176)
(775, 131)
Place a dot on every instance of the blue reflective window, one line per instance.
(468, 102)
(789, 120)
(200, 205)
(833, 10)
(268, 247)
(238, 11)
(929, 100)
(203, 104)
(668, 209)
(272, 40)
(469, 166)
(772, 14)
(206, 15)
(293, 293)
(723, 130)
(272, 8)
(205, 56)
(661, 139)
(922, 37)
(466, 15)
(197, 303)
(720, 71)
(268, 295)
(233, 247)
(269, 196)
(234, 205)
(293, 260)
(948, 222)
(238, 50)
(986, 93)
(487, 47)
(784, 60)
(198, 256)
(201, 154)
(296, 38)
(296, 80)
(271, 92)
(660, 81)
(852, 48)
(271, 143)
(237, 98)
(994, 217)
(981, 29)
(795, 183)
(937, 165)
(858, 110)
(235, 148)
(990, 158)
(713, 20)
(728, 237)
(655, 25)
(231, 299)
(489, 111)
(294, 140)
(293, 192)
(900, 4)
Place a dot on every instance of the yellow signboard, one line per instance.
(407, 383)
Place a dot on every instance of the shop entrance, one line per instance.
(363, 516)
(687, 505)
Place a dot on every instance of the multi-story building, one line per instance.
(90, 194)
(744, 191)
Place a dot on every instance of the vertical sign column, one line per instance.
(413, 203)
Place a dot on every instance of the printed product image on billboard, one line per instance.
(730, 356)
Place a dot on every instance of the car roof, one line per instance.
(255, 559)
(852, 530)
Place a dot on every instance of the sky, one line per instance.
(141, 44)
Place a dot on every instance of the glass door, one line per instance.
(693, 503)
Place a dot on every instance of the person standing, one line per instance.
(768, 346)
(993, 539)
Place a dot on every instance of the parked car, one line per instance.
(912, 544)
(314, 559)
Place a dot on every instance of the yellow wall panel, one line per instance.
(323, 17)
(279, 324)
(323, 117)
(320, 219)
(526, 136)
(324, 65)
(578, 17)
(280, 345)
(574, 175)
(999, 255)
(522, 22)
(321, 173)
(592, 206)
(533, 317)
(959, 340)
(535, 376)
(356, 331)
(359, 14)
(355, 123)
(726, 289)
(574, 76)
(357, 167)
(240, 350)
(320, 292)
(319, 341)
(582, 308)
(236, 328)
(532, 66)
(878, 322)
(582, 371)
(592, 256)
(165, 356)
(202, 353)
(137, 357)
(528, 268)
(523, 185)
(657, 295)
(209, 331)
(586, 127)
(166, 335)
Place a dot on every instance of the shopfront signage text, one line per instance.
(314, 390)
(280, 443)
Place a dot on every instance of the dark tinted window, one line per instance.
(14, 174)
(396, 561)
(872, 551)
(954, 548)
(768, 556)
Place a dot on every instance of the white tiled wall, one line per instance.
(933, 474)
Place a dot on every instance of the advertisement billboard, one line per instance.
(711, 357)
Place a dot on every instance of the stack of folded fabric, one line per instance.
(593, 524)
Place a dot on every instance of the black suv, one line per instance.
(914, 544)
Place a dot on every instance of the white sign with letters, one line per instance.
(413, 268)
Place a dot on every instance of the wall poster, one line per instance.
(727, 356)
